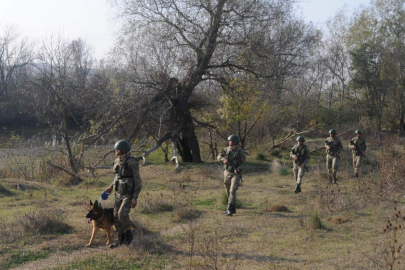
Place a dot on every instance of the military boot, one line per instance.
(334, 178)
(233, 208)
(356, 174)
(229, 211)
(330, 178)
(128, 237)
(297, 189)
(119, 242)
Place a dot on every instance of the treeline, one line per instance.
(196, 71)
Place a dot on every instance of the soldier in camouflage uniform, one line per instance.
(233, 158)
(127, 185)
(301, 155)
(358, 146)
(333, 146)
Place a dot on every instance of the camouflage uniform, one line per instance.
(332, 156)
(357, 155)
(298, 170)
(232, 180)
(127, 185)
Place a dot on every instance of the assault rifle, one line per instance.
(358, 151)
(333, 150)
(232, 167)
(300, 159)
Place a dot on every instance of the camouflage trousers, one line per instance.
(298, 173)
(122, 207)
(356, 163)
(332, 164)
(231, 183)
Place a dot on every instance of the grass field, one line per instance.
(181, 224)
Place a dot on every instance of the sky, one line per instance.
(93, 20)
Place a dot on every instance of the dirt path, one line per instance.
(64, 258)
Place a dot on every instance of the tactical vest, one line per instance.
(235, 156)
(124, 181)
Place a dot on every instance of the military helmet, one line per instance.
(234, 138)
(358, 131)
(332, 131)
(300, 139)
(122, 145)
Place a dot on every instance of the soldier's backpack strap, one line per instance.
(125, 164)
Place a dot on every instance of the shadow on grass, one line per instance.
(252, 168)
(5, 192)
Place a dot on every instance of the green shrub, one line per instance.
(260, 156)
(284, 171)
(276, 152)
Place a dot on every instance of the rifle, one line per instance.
(301, 161)
(232, 167)
(333, 151)
(358, 150)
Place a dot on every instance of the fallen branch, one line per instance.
(291, 134)
(79, 179)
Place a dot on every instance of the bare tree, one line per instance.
(59, 85)
(15, 54)
(171, 47)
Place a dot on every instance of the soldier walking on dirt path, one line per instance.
(127, 185)
(333, 147)
(234, 159)
(301, 155)
(358, 146)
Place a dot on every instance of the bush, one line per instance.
(45, 221)
(187, 212)
(316, 222)
(276, 152)
(155, 204)
(260, 156)
(148, 241)
(277, 167)
(284, 171)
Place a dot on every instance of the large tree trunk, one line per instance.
(188, 145)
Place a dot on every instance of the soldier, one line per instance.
(358, 146)
(233, 158)
(301, 155)
(333, 146)
(127, 185)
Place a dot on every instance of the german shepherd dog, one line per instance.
(102, 219)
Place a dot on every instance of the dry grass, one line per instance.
(181, 225)
(45, 221)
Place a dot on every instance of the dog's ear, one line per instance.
(91, 203)
(96, 203)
